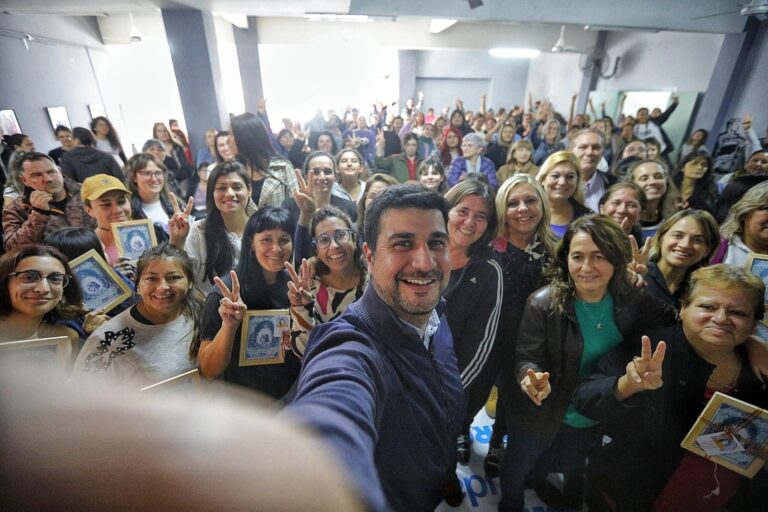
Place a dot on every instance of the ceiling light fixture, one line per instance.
(514, 53)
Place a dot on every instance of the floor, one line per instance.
(480, 493)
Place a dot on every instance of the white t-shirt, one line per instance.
(155, 213)
(124, 351)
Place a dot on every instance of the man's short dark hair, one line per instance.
(399, 197)
(84, 135)
(61, 128)
(32, 156)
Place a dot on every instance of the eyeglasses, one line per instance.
(151, 174)
(323, 240)
(32, 277)
(322, 170)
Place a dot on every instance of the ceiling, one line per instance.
(677, 15)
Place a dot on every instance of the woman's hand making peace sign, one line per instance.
(231, 307)
(178, 225)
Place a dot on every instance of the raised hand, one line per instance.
(231, 307)
(178, 225)
(261, 106)
(536, 385)
(299, 286)
(746, 123)
(644, 372)
(126, 267)
(303, 195)
(40, 199)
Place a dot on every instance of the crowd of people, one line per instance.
(569, 275)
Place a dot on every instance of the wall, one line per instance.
(554, 76)
(507, 76)
(49, 75)
(664, 61)
(750, 96)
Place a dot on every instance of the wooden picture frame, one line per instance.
(102, 288)
(747, 423)
(58, 116)
(186, 380)
(59, 349)
(133, 237)
(9, 123)
(264, 336)
(757, 265)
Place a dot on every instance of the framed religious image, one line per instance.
(58, 116)
(102, 288)
(184, 383)
(133, 237)
(51, 355)
(731, 433)
(96, 110)
(758, 265)
(8, 122)
(264, 337)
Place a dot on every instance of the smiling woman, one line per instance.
(155, 339)
(693, 359)
(588, 308)
(37, 289)
(339, 279)
(474, 296)
(267, 245)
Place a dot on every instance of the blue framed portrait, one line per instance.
(102, 288)
(133, 237)
(263, 337)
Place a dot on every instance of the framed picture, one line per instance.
(96, 110)
(58, 116)
(101, 286)
(758, 265)
(8, 122)
(133, 237)
(52, 355)
(186, 382)
(731, 433)
(264, 337)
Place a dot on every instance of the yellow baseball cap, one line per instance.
(96, 186)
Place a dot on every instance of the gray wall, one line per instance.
(49, 75)
(751, 96)
(664, 61)
(507, 77)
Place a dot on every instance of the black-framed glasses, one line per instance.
(323, 240)
(32, 277)
(322, 170)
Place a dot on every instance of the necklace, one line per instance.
(597, 321)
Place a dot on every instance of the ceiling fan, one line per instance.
(560, 46)
(756, 8)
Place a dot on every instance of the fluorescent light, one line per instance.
(438, 25)
(355, 18)
(514, 53)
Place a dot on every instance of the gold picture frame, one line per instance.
(744, 422)
(133, 237)
(264, 336)
(62, 352)
(183, 380)
(102, 288)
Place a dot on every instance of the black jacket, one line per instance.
(84, 161)
(550, 341)
(641, 447)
